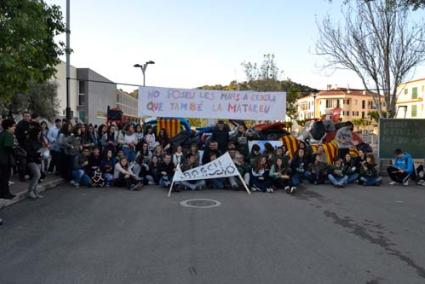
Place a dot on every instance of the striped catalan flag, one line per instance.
(291, 144)
(331, 151)
(171, 126)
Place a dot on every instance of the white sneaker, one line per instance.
(406, 183)
(392, 183)
(292, 189)
(286, 188)
(32, 195)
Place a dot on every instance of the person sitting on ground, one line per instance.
(231, 148)
(124, 176)
(259, 179)
(281, 152)
(178, 156)
(130, 142)
(368, 172)
(215, 183)
(420, 178)
(81, 168)
(351, 169)
(281, 175)
(244, 171)
(107, 167)
(401, 169)
(319, 170)
(188, 165)
(336, 175)
(300, 168)
(163, 140)
(269, 152)
(166, 170)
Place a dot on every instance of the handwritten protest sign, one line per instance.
(220, 168)
(168, 102)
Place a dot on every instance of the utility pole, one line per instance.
(68, 63)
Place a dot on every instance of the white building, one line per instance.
(410, 100)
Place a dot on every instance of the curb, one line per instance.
(46, 185)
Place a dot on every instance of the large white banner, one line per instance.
(245, 105)
(219, 168)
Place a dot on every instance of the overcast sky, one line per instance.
(201, 42)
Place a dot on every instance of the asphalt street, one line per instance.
(320, 235)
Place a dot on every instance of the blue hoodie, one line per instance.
(405, 163)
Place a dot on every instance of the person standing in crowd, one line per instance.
(21, 133)
(124, 176)
(344, 139)
(52, 136)
(33, 145)
(69, 149)
(242, 141)
(336, 175)
(92, 135)
(220, 134)
(7, 160)
(166, 169)
(81, 169)
(368, 172)
(107, 167)
(401, 168)
(281, 175)
(259, 179)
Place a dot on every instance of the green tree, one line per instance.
(41, 99)
(28, 50)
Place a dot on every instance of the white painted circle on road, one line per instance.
(200, 203)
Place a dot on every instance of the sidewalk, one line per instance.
(20, 189)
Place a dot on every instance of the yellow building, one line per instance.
(353, 104)
(410, 100)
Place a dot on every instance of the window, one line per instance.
(414, 93)
(81, 99)
(82, 87)
(414, 110)
(406, 91)
(328, 103)
(348, 102)
(363, 104)
(363, 114)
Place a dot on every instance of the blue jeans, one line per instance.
(338, 180)
(352, 178)
(216, 183)
(371, 181)
(165, 181)
(129, 153)
(80, 177)
(298, 177)
(109, 178)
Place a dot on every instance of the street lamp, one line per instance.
(143, 67)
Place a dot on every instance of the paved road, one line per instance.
(321, 235)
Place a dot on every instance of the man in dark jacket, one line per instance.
(21, 133)
(221, 135)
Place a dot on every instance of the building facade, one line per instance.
(410, 100)
(128, 103)
(60, 80)
(352, 103)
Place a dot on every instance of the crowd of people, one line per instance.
(133, 156)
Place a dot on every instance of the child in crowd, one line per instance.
(107, 166)
(244, 171)
(319, 170)
(299, 168)
(178, 156)
(368, 172)
(166, 170)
